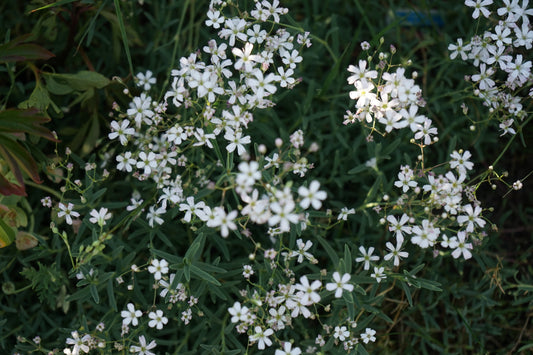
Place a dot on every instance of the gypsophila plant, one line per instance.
(206, 217)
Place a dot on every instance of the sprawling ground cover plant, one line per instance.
(250, 196)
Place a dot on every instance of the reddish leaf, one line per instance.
(7, 188)
(25, 121)
(18, 51)
(18, 158)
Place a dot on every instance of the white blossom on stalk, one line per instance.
(121, 130)
(99, 217)
(340, 284)
(158, 267)
(341, 333)
(68, 212)
(157, 319)
(368, 335)
(131, 315)
(462, 246)
(125, 162)
(223, 220)
(302, 253)
(261, 337)
(143, 348)
(312, 196)
(238, 313)
(310, 296)
(246, 58)
(288, 350)
(471, 217)
(191, 208)
(79, 343)
(395, 252)
(282, 215)
(140, 109)
(236, 140)
(367, 257)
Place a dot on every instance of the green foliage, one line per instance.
(47, 282)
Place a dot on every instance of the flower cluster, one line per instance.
(386, 97)
(266, 313)
(447, 204)
(500, 56)
(209, 105)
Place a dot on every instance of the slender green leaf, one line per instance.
(196, 271)
(123, 34)
(331, 253)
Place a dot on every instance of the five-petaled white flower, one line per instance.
(367, 257)
(157, 319)
(340, 284)
(67, 212)
(99, 217)
(261, 336)
(312, 196)
(158, 267)
(143, 348)
(131, 315)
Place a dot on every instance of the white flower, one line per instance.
(145, 80)
(302, 251)
(99, 217)
(340, 284)
(191, 208)
(311, 195)
(395, 252)
(288, 350)
(125, 162)
(246, 58)
(158, 268)
(309, 295)
(341, 333)
(462, 246)
(261, 336)
(79, 343)
(379, 274)
(283, 215)
(238, 313)
(345, 212)
(122, 131)
(157, 319)
(131, 315)
(236, 141)
(479, 6)
(67, 212)
(368, 335)
(367, 257)
(472, 216)
(143, 349)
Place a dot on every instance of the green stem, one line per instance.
(44, 188)
(123, 34)
(175, 49)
